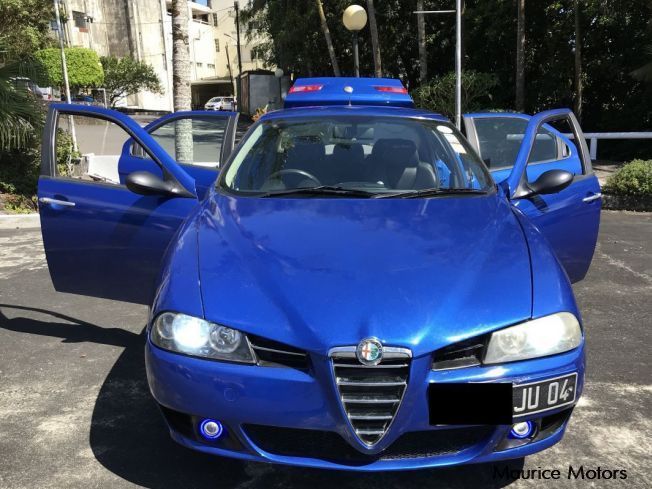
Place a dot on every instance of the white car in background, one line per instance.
(220, 103)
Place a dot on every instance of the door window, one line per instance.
(500, 139)
(88, 148)
(193, 141)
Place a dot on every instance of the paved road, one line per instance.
(75, 411)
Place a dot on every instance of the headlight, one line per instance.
(541, 337)
(194, 336)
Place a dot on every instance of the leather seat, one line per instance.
(395, 163)
(347, 164)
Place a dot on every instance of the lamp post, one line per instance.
(278, 73)
(354, 19)
(458, 55)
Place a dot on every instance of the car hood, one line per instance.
(317, 273)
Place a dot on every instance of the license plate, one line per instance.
(538, 397)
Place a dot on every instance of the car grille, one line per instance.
(330, 446)
(371, 395)
(272, 354)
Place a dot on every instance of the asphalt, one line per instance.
(75, 411)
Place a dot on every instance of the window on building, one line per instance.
(199, 65)
(215, 22)
(210, 66)
(217, 45)
(79, 18)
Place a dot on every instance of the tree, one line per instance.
(423, 54)
(644, 73)
(127, 76)
(181, 80)
(327, 35)
(24, 27)
(20, 115)
(84, 67)
(578, 60)
(520, 56)
(375, 45)
(439, 94)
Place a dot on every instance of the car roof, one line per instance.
(359, 110)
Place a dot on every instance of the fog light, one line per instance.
(211, 429)
(522, 430)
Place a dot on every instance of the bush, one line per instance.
(20, 169)
(439, 94)
(635, 179)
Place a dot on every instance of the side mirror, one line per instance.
(146, 183)
(551, 182)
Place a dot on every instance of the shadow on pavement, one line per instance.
(129, 438)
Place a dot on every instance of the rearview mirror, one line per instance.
(146, 183)
(551, 182)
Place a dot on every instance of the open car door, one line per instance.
(521, 151)
(105, 236)
(209, 142)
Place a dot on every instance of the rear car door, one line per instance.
(518, 149)
(102, 239)
(210, 141)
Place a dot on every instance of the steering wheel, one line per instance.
(294, 171)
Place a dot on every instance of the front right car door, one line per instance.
(518, 149)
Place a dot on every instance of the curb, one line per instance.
(627, 203)
(19, 221)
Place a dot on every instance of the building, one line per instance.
(143, 29)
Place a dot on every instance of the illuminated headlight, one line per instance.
(194, 336)
(541, 337)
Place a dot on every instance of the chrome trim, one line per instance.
(393, 404)
(593, 197)
(49, 201)
(284, 352)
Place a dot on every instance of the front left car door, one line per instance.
(102, 238)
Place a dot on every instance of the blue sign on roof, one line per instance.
(388, 92)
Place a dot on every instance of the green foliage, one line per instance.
(24, 27)
(84, 67)
(21, 115)
(614, 36)
(439, 94)
(635, 178)
(19, 172)
(126, 76)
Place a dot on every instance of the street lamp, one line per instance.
(278, 73)
(354, 19)
(458, 55)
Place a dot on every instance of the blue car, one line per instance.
(356, 285)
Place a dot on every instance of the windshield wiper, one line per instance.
(431, 192)
(321, 190)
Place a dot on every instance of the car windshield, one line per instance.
(373, 156)
(215, 99)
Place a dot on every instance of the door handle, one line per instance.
(49, 201)
(592, 197)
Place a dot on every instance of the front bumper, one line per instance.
(255, 402)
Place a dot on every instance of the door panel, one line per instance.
(100, 238)
(110, 243)
(213, 135)
(570, 218)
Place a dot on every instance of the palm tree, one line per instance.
(327, 35)
(579, 89)
(181, 80)
(20, 113)
(520, 57)
(375, 46)
(423, 54)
